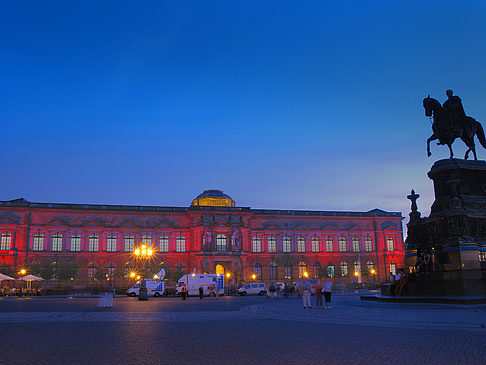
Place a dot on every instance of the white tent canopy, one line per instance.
(5, 277)
(30, 278)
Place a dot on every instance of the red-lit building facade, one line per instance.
(211, 235)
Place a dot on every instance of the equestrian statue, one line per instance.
(451, 122)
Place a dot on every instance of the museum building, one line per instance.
(211, 235)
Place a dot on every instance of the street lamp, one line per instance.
(22, 273)
(228, 275)
(253, 277)
(143, 253)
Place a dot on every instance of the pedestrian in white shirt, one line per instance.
(306, 294)
(327, 289)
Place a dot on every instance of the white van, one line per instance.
(253, 288)
(155, 288)
(212, 284)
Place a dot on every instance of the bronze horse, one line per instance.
(445, 132)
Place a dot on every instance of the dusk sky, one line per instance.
(281, 104)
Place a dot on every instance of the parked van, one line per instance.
(253, 288)
(155, 288)
(212, 284)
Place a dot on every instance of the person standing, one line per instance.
(327, 289)
(306, 294)
(318, 288)
(184, 292)
(201, 292)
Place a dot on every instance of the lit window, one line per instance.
(390, 244)
(368, 244)
(330, 271)
(110, 269)
(393, 267)
(342, 244)
(147, 240)
(272, 271)
(272, 244)
(94, 241)
(92, 271)
(220, 242)
(129, 243)
(164, 243)
(355, 244)
(257, 270)
(302, 269)
(316, 267)
(286, 244)
(257, 244)
(181, 244)
(482, 256)
(344, 269)
(315, 244)
(301, 244)
(111, 243)
(370, 265)
(57, 242)
(6, 241)
(357, 267)
(329, 244)
(38, 242)
(288, 272)
(75, 242)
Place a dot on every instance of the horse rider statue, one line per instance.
(451, 122)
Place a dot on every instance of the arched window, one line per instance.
(342, 244)
(181, 244)
(257, 244)
(316, 267)
(272, 271)
(355, 244)
(301, 244)
(329, 244)
(330, 270)
(94, 242)
(315, 244)
(6, 241)
(393, 267)
(181, 267)
(164, 243)
(272, 244)
(220, 242)
(344, 269)
(111, 243)
(147, 240)
(286, 244)
(257, 270)
(110, 269)
(129, 243)
(370, 265)
(92, 270)
(38, 242)
(75, 242)
(57, 242)
(368, 244)
(288, 272)
(390, 244)
(357, 268)
(302, 269)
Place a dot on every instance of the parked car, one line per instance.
(253, 288)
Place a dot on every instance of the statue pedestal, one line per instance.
(453, 236)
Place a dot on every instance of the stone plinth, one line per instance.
(453, 236)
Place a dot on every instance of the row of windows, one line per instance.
(111, 242)
(129, 242)
(302, 268)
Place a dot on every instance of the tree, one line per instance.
(7, 269)
(67, 270)
(47, 270)
(35, 269)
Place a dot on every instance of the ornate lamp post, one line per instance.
(143, 253)
(22, 273)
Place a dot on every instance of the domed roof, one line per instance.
(213, 198)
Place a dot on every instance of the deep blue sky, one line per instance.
(281, 104)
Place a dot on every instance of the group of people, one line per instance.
(397, 283)
(321, 288)
(7, 291)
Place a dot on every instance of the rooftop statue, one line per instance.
(451, 122)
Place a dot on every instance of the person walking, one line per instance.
(184, 292)
(327, 289)
(201, 292)
(306, 294)
(318, 288)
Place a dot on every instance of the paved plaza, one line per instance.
(239, 330)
